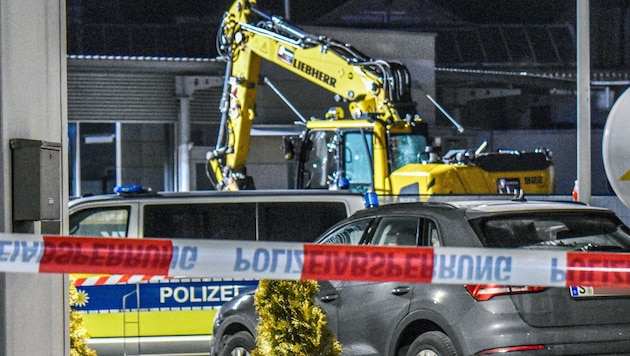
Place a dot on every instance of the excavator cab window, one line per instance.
(406, 149)
(332, 157)
(357, 158)
(320, 159)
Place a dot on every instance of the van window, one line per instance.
(103, 222)
(278, 221)
(225, 221)
(297, 221)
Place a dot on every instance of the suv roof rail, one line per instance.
(519, 195)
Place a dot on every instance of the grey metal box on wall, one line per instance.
(36, 177)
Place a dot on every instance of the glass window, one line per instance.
(358, 158)
(204, 134)
(297, 221)
(407, 149)
(349, 234)
(397, 231)
(102, 222)
(229, 221)
(432, 234)
(72, 153)
(103, 155)
(551, 231)
(320, 160)
(147, 156)
(97, 161)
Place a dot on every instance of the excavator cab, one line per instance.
(334, 159)
(344, 158)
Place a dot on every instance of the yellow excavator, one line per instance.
(377, 143)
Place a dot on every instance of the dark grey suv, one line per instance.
(405, 319)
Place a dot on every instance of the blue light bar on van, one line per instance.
(370, 199)
(127, 189)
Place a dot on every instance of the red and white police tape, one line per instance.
(155, 258)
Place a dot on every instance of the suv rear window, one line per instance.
(281, 221)
(562, 231)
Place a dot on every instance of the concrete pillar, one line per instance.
(583, 101)
(185, 87)
(33, 307)
(184, 144)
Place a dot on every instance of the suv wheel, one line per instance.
(240, 344)
(432, 343)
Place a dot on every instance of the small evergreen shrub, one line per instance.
(78, 334)
(290, 322)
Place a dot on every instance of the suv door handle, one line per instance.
(329, 298)
(401, 290)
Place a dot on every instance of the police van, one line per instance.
(133, 315)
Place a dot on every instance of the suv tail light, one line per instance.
(482, 292)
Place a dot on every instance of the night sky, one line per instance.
(508, 11)
(302, 11)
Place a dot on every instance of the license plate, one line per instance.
(582, 291)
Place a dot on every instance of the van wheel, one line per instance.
(240, 344)
(432, 343)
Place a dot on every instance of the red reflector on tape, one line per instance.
(109, 256)
(342, 262)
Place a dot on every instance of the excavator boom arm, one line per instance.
(374, 89)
